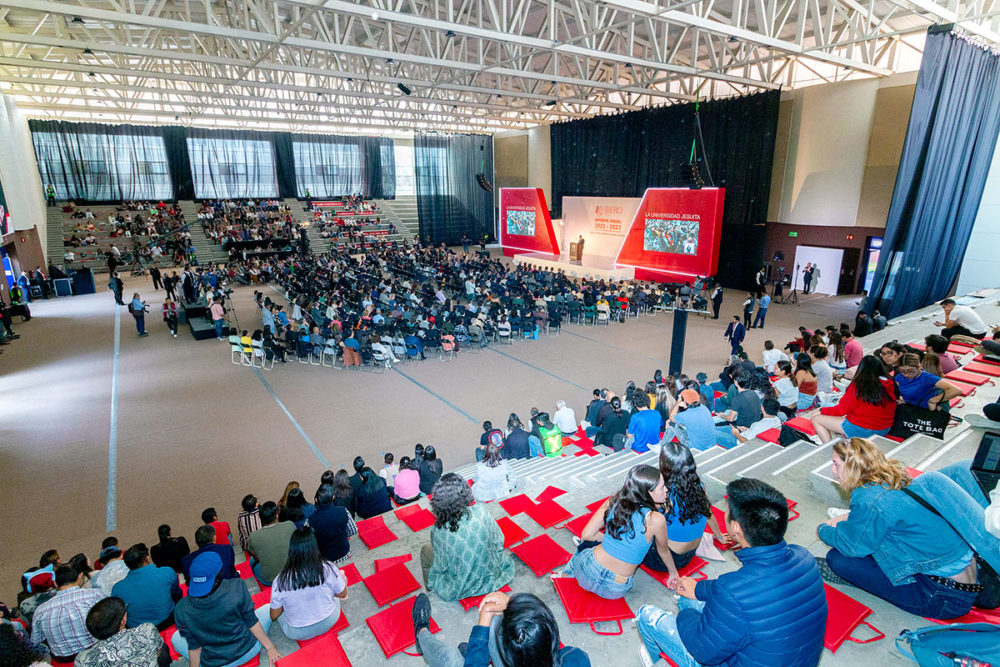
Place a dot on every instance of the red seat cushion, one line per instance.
(512, 533)
(383, 563)
(341, 624)
(548, 513)
(582, 606)
(253, 662)
(692, 569)
(844, 615)
(983, 369)
(584, 441)
(566, 441)
(975, 616)
(964, 387)
(549, 493)
(516, 504)
(470, 602)
(720, 515)
(262, 598)
(592, 507)
(802, 424)
(770, 435)
(959, 348)
(917, 346)
(374, 533)
(966, 376)
(577, 525)
(542, 554)
(324, 650)
(391, 584)
(243, 569)
(167, 636)
(351, 572)
(415, 517)
(913, 472)
(980, 359)
(393, 627)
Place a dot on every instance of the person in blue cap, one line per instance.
(217, 625)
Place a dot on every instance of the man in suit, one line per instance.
(579, 248)
(807, 276)
(735, 333)
(154, 273)
(188, 284)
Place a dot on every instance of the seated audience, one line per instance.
(744, 410)
(805, 380)
(613, 426)
(694, 418)
(17, 649)
(784, 387)
(268, 545)
(549, 435)
(333, 527)
(961, 321)
(515, 444)
(605, 563)
(644, 426)
(921, 389)
(821, 369)
(306, 595)
(204, 538)
(248, 520)
(61, 621)
(119, 643)
(170, 551)
(461, 528)
(112, 571)
(771, 611)
(372, 497)
(407, 486)
(772, 357)
(217, 625)
(867, 407)
(343, 492)
(389, 470)
(513, 631)
(741, 434)
(223, 534)
(149, 591)
(564, 418)
(430, 470)
(493, 478)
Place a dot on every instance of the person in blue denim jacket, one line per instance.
(892, 546)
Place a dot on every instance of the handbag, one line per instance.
(790, 435)
(948, 645)
(910, 420)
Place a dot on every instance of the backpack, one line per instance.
(790, 435)
(948, 645)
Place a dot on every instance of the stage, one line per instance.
(592, 266)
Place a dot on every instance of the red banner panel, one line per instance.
(675, 234)
(525, 223)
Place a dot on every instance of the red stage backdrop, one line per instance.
(525, 223)
(675, 234)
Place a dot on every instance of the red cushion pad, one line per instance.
(585, 607)
(592, 507)
(393, 627)
(584, 441)
(975, 616)
(966, 376)
(959, 348)
(351, 572)
(262, 598)
(844, 615)
(512, 533)
(516, 504)
(415, 517)
(770, 435)
(802, 424)
(913, 472)
(374, 533)
(243, 569)
(167, 635)
(692, 569)
(980, 359)
(383, 563)
(341, 624)
(391, 584)
(964, 387)
(542, 554)
(983, 369)
(324, 650)
(548, 513)
(469, 603)
(549, 493)
(577, 525)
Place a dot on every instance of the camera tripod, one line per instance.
(793, 296)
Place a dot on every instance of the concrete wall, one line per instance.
(19, 171)
(523, 158)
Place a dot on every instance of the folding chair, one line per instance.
(843, 616)
(380, 361)
(393, 628)
(447, 347)
(541, 554)
(391, 583)
(329, 354)
(585, 607)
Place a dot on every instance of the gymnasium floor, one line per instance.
(192, 430)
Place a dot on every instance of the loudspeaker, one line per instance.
(484, 182)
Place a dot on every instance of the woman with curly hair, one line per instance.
(465, 556)
(605, 562)
(686, 509)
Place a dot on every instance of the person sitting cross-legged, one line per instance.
(148, 590)
(771, 611)
(268, 545)
(119, 645)
(740, 434)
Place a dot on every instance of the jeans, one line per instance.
(854, 431)
(426, 562)
(140, 325)
(960, 472)
(724, 436)
(658, 630)
(218, 328)
(759, 320)
(594, 577)
(255, 568)
(924, 597)
(263, 614)
(309, 631)
(439, 654)
(535, 447)
(806, 401)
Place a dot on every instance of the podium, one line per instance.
(574, 252)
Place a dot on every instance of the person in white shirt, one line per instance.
(564, 418)
(772, 357)
(741, 434)
(784, 386)
(993, 512)
(961, 321)
(390, 470)
(823, 371)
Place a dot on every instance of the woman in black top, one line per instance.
(343, 492)
(372, 497)
(614, 424)
(170, 551)
(430, 470)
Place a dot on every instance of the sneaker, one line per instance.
(576, 541)
(644, 657)
(175, 335)
(828, 575)
(421, 617)
(834, 512)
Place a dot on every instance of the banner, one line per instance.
(525, 223)
(602, 221)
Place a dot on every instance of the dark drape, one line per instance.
(450, 202)
(284, 164)
(622, 155)
(330, 165)
(175, 143)
(97, 162)
(232, 164)
(379, 173)
(942, 172)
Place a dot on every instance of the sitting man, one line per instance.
(744, 409)
(268, 546)
(691, 415)
(961, 321)
(512, 630)
(771, 611)
(741, 434)
(149, 591)
(117, 645)
(204, 537)
(61, 621)
(564, 418)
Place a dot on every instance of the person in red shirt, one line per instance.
(223, 535)
(867, 408)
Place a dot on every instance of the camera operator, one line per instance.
(694, 417)
(138, 308)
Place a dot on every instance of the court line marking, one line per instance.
(111, 514)
(295, 423)
(616, 347)
(540, 370)
(438, 397)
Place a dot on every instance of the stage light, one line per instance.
(91, 74)
(450, 33)
(403, 89)
(551, 103)
(88, 52)
(733, 39)
(77, 19)
(484, 182)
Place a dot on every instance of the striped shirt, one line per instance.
(247, 522)
(62, 621)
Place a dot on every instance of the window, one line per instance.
(406, 177)
(327, 169)
(232, 168)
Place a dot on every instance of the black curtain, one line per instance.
(329, 165)
(623, 154)
(379, 162)
(94, 162)
(942, 172)
(232, 164)
(284, 164)
(450, 201)
(175, 142)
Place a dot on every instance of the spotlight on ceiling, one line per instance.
(91, 74)
(403, 88)
(628, 65)
(733, 39)
(77, 19)
(551, 103)
(450, 33)
(88, 52)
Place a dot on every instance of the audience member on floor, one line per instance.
(493, 479)
(372, 497)
(359, 465)
(744, 410)
(740, 434)
(149, 591)
(593, 409)
(515, 444)
(867, 407)
(268, 546)
(771, 611)
(784, 387)
(921, 389)
(644, 426)
(465, 556)
(113, 570)
(772, 357)
(82, 565)
(306, 595)
(388, 471)
(119, 643)
(407, 487)
(549, 435)
(217, 625)
(960, 321)
(333, 527)
(430, 470)
(687, 509)
(605, 563)
(170, 551)
(204, 539)
(513, 631)
(694, 418)
(17, 649)
(613, 426)
(820, 368)
(890, 545)
(223, 533)
(564, 418)
(343, 492)
(248, 520)
(61, 621)
(805, 380)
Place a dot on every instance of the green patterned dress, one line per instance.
(470, 561)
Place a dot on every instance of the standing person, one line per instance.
(188, 281)
(138, 308)
(862, 305)
(735, 333)
(960, 321)
(306, 595)
(579, 248)
(716, 301)
(807, 277)
(748, 310)
(117, 286)
(218, 312)
(170, 315)
(50, 195)
(309, 200)
(154, 273)
(169, 282)
(465, 243)
(762, 304)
